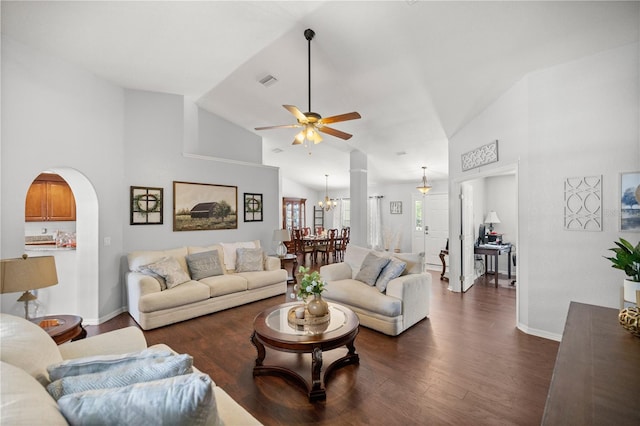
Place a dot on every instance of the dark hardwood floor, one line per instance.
(466, 364)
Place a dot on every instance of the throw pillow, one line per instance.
(181, 400)
(393, 270)
(100, 363)
(161, 280)
(205, 264)
(229, 251)
(414, 262)
(249, 260)
(169, 269)
(370, 269)
(140, 371)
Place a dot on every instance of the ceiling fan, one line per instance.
(311, 122)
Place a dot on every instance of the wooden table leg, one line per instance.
(444, 265)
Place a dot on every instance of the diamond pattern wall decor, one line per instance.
(583, 203)
(486, 154)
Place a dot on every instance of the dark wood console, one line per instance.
(597, 371)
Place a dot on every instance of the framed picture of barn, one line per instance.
(252, 207)
(204, 207)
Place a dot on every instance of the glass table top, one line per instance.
(278, 321)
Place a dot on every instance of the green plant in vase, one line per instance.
(627, 259)
(311, 284)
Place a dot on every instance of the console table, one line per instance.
(595, 379)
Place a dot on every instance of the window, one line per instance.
(346, 212)
(417, 206)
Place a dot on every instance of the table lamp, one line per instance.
(279, 236)
(492, 217)
(25, 274)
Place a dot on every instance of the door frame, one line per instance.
(455, 223)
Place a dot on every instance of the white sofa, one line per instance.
(403, 302)
(27, 350)
(152, 306)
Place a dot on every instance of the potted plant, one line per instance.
(627, 258)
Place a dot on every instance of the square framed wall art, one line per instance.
(630, 202)
(145, 206)
(395, 207)
(252, 207)
(204, 206)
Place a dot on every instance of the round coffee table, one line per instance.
(272, 329)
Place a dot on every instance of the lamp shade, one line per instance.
(492, 217)
(280, 235)
(27, 273)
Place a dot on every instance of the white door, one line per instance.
(436, 219)
(467, 232)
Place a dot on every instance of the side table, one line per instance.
(62, 328)
(290, 258)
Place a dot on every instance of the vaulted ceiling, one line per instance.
(416, 71)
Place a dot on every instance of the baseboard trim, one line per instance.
(539, 333)
(104, 318)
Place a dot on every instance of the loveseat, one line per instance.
(27, 354)
(168, 286)
(388, 291)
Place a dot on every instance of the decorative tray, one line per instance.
(308, 318)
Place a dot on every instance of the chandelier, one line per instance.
(327, 204)
(424, 188)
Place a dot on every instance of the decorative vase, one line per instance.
(318, 306)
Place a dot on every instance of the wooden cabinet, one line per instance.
(50, 199)
(293, 213)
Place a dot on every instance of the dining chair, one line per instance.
(304, 247)
(319, 230)
(341, 243)
(329, 248)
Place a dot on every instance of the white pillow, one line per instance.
(230, 252)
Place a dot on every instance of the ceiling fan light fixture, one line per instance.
(311, 122)
(424, 188)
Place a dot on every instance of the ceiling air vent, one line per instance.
(268, 80)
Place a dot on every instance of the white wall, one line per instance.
(220, 138)
(154, 157)
(576, 119)
(55, 115)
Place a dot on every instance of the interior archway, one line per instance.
(82, 298)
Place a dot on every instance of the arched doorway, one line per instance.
(81, 295)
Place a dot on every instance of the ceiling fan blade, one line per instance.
(333, 132)
(283, 126)
(342, 117)
(296, 112)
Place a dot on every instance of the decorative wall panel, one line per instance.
(486, 154)
(583, 203)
